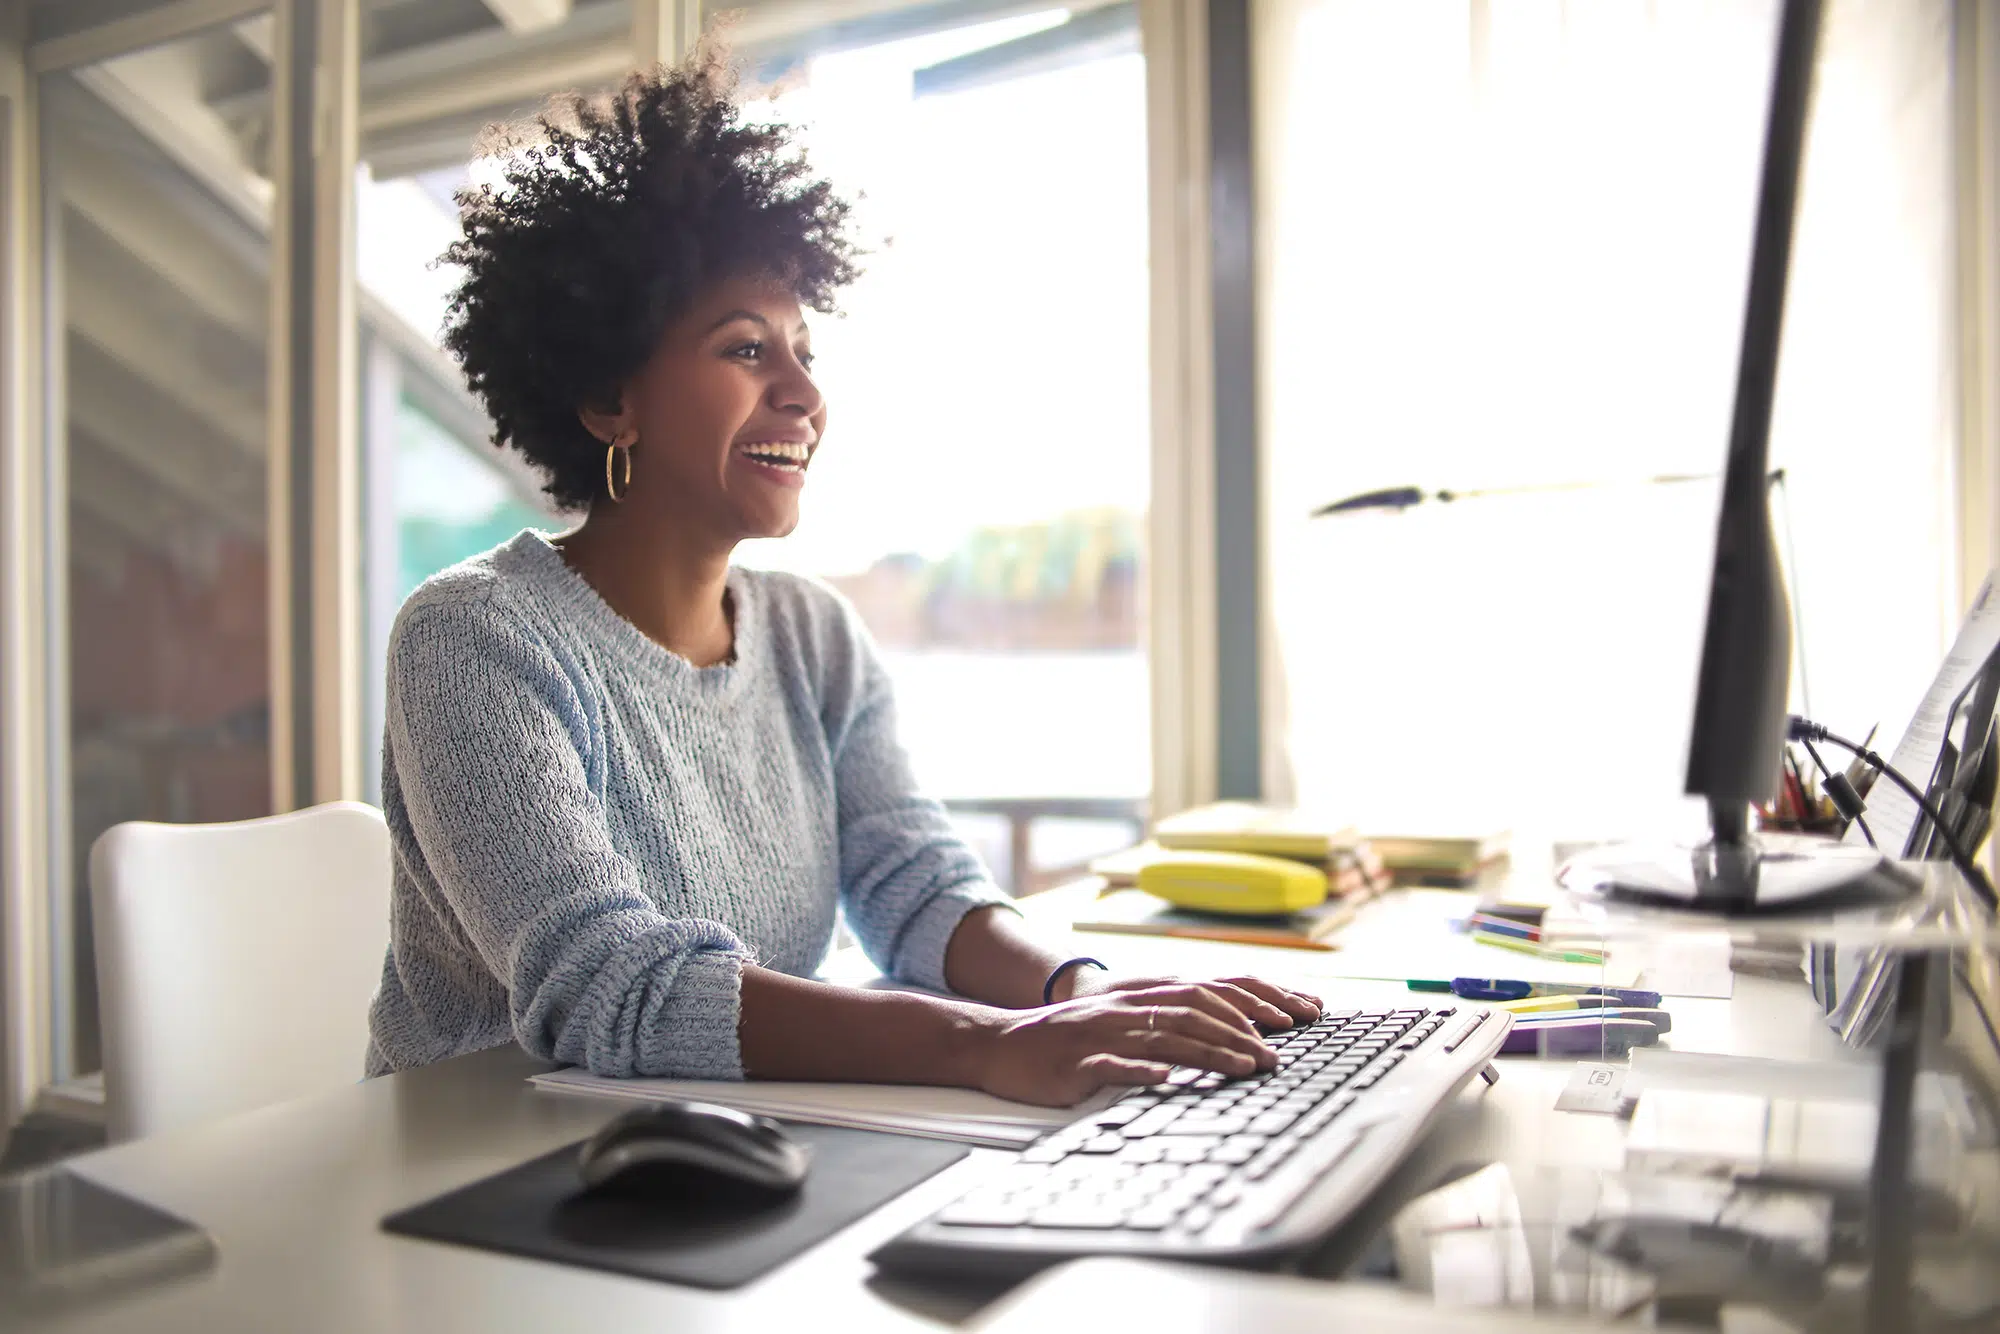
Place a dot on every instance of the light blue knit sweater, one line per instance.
(593, 836)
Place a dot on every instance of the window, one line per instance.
(155, 339)
(436, 490)
(982, 492)
(1507, 245)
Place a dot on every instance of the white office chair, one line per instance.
(235, 962)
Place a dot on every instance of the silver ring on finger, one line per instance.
(1152, 1017)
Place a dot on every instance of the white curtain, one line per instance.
(1505, 243)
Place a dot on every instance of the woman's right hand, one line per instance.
(1061, 1054)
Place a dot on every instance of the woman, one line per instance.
(628, 782)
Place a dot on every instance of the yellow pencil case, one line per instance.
(1234, 882)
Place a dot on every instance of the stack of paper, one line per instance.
(910, 1109)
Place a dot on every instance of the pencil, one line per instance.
(1526, 947)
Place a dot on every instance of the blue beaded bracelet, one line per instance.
(1049, 987)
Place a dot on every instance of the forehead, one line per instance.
(769, 300)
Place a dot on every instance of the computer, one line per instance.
(1252, 1171)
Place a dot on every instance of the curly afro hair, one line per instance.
(614, 214)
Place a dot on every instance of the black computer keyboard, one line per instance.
(1213, 1168)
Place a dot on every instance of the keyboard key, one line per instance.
(967, 1213)
(1197, 1218)
(1268, 1161)
(1119, 1114)
(1044, 1152)
(1078, 1214)
(1152, 1217)
(1152, 1121)
(1191, 1150)
(1207, 1125)
(1271, 1123)
(1463, 1033)
(1106, 1143)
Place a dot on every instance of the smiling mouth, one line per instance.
(786, 455)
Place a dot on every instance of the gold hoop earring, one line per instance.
(625, 450)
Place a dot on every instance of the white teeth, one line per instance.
(791, 451)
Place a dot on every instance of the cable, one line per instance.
(1806, 730)
(1845, 799)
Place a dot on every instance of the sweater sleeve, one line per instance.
(488, 736)
(906, 877)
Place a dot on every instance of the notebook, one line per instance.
(1242, 826)
(963, 1115)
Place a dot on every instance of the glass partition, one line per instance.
(158, 306)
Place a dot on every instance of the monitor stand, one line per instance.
(1736, 871)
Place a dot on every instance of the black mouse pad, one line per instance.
(683, 1231)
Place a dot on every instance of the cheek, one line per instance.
(694, 412)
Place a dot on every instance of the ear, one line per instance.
(608, 420)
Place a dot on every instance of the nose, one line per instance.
(793, 390)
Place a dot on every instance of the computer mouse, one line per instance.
(683, 1140)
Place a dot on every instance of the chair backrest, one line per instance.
(235, 962)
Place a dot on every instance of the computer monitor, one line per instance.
(1738, 736)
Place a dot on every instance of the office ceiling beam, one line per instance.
(508, 82)
(471, 71)
(148, 27)
(423, 95)
(259, 33)
(529, 15)
(1097, 34)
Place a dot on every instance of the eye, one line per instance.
(806, 359)
(751, 351)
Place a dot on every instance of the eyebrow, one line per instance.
(750, 315)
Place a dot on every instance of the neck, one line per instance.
(665, 578)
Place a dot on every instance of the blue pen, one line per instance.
(1497, 989)
(1499, 927)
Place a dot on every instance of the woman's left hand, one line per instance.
(1261, 1002)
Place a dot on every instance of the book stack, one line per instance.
(1353, 865)
(1446, 862)
(1354, 871)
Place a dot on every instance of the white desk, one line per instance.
(293, 1195)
